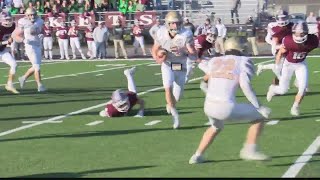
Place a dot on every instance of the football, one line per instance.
(161, 53)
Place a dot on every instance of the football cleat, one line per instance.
(130, 71)
(176, 123)
(270, 93)
(103, 113)
(11, 89)
(295, 111)
(196, 159)
(21, 81)
(41, 88)
(253, 155)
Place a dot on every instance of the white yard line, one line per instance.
(157, 74)
(272, 122)
(151, 123)
(88, 72)
(94, 123)
(99, 75)
(29, 64)
(30, 122)
(103, 65)
(78, 111)
(316, 71)
(295, 168)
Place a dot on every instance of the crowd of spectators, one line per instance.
(79, 6)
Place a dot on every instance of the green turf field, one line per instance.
(56, 142)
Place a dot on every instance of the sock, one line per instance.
(24, 77)
(174, 112)
(198, 153)
(141, 112)
(39, 84)
(295, 104)
(46, 54)
(250, 147)
(50, 54)
(9, 83)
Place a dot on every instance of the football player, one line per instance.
(277, 31)
(226, 73)
(178, 45)
(47, 40)
(74, 40)
(138, 37)
(123, 101)
(90, 42)
(202, 44)
(295, 48)
(32, 25)
(7, 27)
(62, 34)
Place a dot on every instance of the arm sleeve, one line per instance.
(247, 72)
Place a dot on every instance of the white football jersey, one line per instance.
(225, 73)
(31, 30)
(179, 42)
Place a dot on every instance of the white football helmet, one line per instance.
(6, 19)
(282, 18)
(173, 17)
(211, 35)
(233, 43)
(31, 14)
(300, 32)
(120, 100)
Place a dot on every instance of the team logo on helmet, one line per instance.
(300, 32)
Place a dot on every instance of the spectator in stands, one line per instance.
(123, 6)
(203, 29)
(30, 5)
(222, 33)
(100, 36)
(18, 4)
(131, 10)
(188, 25)
(39, 8)
(64, 7)
(157, 4)
(106, 6)
(81, 7)
(251, 35)
(47, 7)
(311, 18)
(153, 30)
(117, 32)
(236, 4)
(87, 6)
(141, 5)
(171, 5)
(73, 7)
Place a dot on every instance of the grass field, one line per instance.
(56, 142)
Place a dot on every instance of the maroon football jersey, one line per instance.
(63, 32)
(89, 35)
(201, 44)
(73, 32)
(298, 52)
(5, 34)
(47, 31)
(137, 31)
(281, 32)
(111, 111)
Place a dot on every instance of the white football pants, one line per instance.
(63, 45)
(47, 47)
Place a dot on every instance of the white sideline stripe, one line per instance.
(157, 74)
(103, 65)
(94, 123)
(76, 112)
(273, 122)
(151, 123)
(99, 75)
(29, 122)
(29, 65)
(88, 72)
(295, 168)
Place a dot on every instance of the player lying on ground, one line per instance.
(123, 101)
(226, 73)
